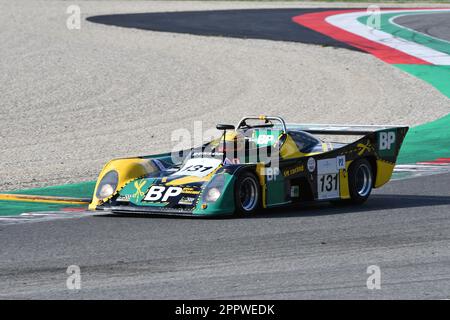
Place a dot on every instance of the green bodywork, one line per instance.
(136, 190)
(276, 194)
(224, 205)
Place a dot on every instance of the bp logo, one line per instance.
(387, 142)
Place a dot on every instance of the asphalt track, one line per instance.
(439, 27)
(268, 24)
(321, 251)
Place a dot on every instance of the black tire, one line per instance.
(360, 180)
(247, 194)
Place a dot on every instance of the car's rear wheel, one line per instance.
(360, 180)
(247, 197)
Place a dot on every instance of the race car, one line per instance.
(261, 163)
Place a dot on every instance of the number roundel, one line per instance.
(198, 167)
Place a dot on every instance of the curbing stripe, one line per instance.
(344, 26)
(350, 23)
(318, 21)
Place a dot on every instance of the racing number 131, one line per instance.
(197, 167)
(328, 182)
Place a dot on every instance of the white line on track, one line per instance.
(391, 20)
(407, 171)
(45, 216)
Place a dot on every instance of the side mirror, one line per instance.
(225, 127)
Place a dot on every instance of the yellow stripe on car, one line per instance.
(261, 173)
(128, 169)
(384, 172)
(343, 181)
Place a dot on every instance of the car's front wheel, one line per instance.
(360, 180)
(247, 193)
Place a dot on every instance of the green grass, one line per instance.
(16, 208)
(76, 190)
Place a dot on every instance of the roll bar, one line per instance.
(267, 119)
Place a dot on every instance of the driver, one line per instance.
(233, 146)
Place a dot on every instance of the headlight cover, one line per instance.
(214, 189)
(107, 185)
(212, 195)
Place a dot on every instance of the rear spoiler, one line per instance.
(340, 129)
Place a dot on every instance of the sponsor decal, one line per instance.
(340, 162)
(162, 193)
(295, 191)
(139, 185)
(362, 148)
(186, 200)
(271, 173)
(190, 190)
(207, 154)
(295, 170)
(386, 142)
(124, 198)
(311, 164)
(265, 139)
(325, 166)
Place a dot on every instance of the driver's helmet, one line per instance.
(234, 141)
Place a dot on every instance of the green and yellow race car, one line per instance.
(261, 163)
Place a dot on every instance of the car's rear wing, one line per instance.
(341, 129)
